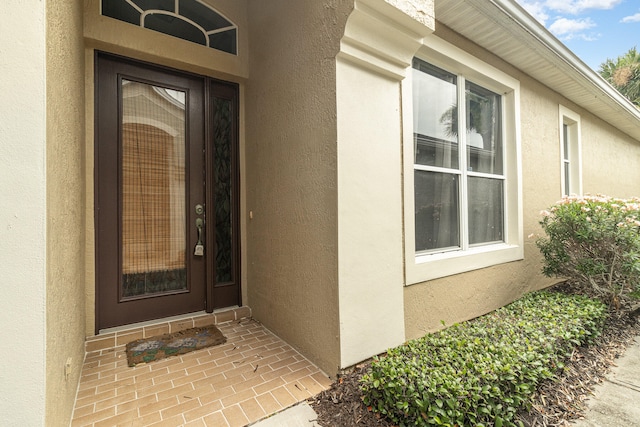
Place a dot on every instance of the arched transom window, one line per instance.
(190, 20)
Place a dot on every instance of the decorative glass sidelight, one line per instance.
(153, 189)
(223, 176)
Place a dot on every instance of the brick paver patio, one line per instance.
(253, 375)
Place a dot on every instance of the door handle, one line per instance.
(199, 249)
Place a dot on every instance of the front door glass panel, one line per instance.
(153, 218)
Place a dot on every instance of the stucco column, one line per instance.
(377, 48)
(22, 213)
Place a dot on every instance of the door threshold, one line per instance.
(122, 335)
(151, 322)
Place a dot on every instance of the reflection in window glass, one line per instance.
(435, 116)
(153, 187)
(484, 141)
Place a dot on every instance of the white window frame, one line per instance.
(421, 267)
(573, 157)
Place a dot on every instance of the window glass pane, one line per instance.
(176, 27)
(435, 117)
(486, 212)
(567, 178)
(484, 139)
(153, 189)
(436, 210)
(224, 41)
(565, 140)
(120, 9)
(202, 15)
(169, 5)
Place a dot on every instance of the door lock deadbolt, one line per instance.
(199, 209)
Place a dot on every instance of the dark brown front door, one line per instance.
(166, 193)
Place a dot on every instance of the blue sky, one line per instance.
(593, 29)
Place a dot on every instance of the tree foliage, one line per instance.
(624, 74)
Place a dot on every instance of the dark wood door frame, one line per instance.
(214, 295)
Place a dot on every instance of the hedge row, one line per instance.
(481, 372)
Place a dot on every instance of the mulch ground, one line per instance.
(555, 403)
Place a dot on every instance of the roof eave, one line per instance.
(528, 33)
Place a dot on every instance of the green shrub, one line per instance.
(594, 242)
(481, 372)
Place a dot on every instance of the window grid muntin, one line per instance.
(462, 172)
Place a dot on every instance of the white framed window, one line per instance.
(570, 152)
(462, 164)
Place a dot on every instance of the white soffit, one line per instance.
(508, 31)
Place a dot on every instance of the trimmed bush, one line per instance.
(594, 242)
(481, 372)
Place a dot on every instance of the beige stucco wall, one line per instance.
(65, 293)
(22, 213)
(113, 36)
(291, 173)
(609, 160)
(609, 164)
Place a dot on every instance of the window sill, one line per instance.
(434, 266)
